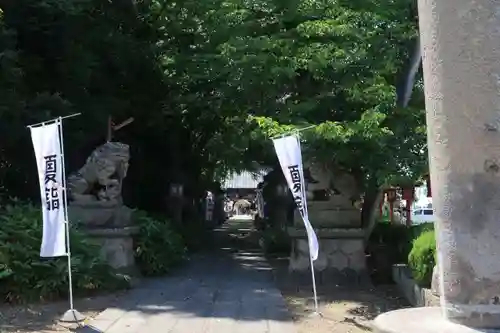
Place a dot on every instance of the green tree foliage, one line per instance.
(335, 64)
(209, 82)
(63, 57)
(24, 277)
(261, 65)
(158, 247)
(261, 68)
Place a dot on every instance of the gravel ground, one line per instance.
(342, 309)
(43, 318)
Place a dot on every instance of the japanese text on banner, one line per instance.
(296, 187)
(52, 199)
(290, 158)
(48, 152)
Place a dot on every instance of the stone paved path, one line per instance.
(222, 292)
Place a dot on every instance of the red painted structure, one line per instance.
(409, 196)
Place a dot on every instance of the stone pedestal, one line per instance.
(341, 256)
(117, 247)
(331, 214)
(337, 223)
(279, 214)
(99, 214)
(420, 320)
(110, 226)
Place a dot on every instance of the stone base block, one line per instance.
(117, 247)
(343, 217)
(340, 260)
(420, 320)
(416, 295)
(100, 215)
(330, 277)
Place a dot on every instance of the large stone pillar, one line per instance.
(461, 62)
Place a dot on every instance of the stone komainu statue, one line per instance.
(101, 178)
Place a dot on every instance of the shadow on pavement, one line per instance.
(86, 329)
(232, 283)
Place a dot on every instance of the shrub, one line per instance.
(418, 229)
(421, 259)
(157, 246)
(388, 244)
(196, 235)
(24, 276)
(396, 237)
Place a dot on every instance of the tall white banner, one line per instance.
(290, 158)
(48, 153)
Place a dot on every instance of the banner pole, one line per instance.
(316, 309)
(294, 131)
(289, 154)
(72, 315)
(53, 120)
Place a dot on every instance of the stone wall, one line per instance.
(341, 255)
(416, 295)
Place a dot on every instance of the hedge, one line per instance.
(24, 276)
(422, 258)
(390, 244)
(158, 247)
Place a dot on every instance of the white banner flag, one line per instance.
(47, 146)
(290, 157)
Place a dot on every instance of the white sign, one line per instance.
(47, 146)
(209, 206)
(290, 158)
(260, 203)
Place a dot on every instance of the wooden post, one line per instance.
(381, 208)
(109, 135)
(391, 212)
(113, 128)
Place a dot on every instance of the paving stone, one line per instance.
(130, 323)
(224, 318)
(215, 293)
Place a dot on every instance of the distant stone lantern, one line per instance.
(176, 190)
(176, 202)
(280, 207)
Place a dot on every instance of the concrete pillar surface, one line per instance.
(461, 60)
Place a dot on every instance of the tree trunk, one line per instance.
(373, 197)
